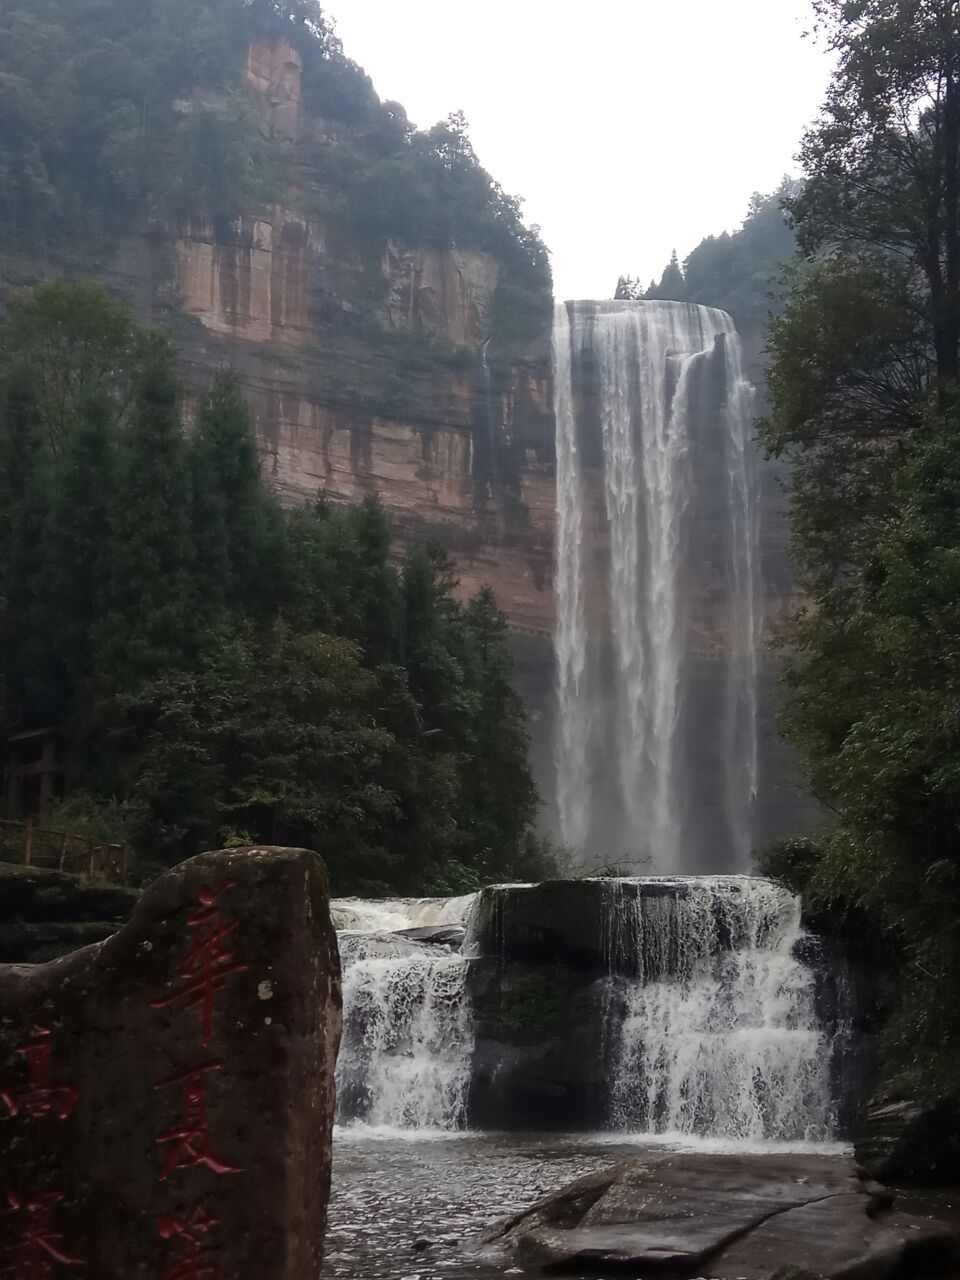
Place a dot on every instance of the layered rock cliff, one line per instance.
(373, 366)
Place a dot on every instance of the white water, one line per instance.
(404, 1063)
(711, 1025)
(717, 1035)
(670, 444)
(571, 633)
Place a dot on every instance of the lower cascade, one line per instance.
(689, 1008)
(407, 1035)
(719, 1034)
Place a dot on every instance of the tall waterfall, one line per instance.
(717, 1031)
(656, 579)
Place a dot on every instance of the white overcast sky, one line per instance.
(630, 127)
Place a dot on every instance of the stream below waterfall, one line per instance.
(392, 1194)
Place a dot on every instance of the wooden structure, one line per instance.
(29, 845)
(32, 773)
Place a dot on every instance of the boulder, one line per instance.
(166, 1096)
(538, 1059)
(737, 1217)
(435, 935)
(907, 1143)
(573, 922)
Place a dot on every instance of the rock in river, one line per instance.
(736, 1216)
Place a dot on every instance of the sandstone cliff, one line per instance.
(372, 366)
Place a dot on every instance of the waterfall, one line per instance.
(407, 1043)
(656, 647)
(571, 634)
(717, 1032)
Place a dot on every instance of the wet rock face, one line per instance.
(726, 1216)
(45, 914)
(166, 1096)
(907, 1143)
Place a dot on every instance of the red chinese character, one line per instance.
(190, 1141)
(34, 1255)
(41, 1097)
(210, 962)
(194, 1263)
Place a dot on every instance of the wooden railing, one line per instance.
(29, 845)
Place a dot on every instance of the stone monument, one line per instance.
(166, 1096)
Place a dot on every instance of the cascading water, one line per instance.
(656, 756)
(717, 1031)
(407, 1043)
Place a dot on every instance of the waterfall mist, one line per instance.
(657, 592)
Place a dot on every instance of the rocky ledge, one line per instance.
(732, 1216)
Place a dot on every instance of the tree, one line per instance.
(25, 624)
(150, 618)
(883, 163)
(79, 344)
(873, 702)
(498, 781)
(218, 668)
(233, 519)
(671, 287)
(848, 371)
(628, 289)
(863, 389)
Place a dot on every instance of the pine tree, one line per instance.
(80, 535)
(152, 615)
(25, 637)
(503, 795)
(232, 513)
(671, 287)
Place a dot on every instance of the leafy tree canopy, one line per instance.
(864, 404)
(221, 669)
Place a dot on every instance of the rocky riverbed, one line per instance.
(414, 1208)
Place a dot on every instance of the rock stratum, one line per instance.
(748, 1217)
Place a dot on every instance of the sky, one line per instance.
(629, 127)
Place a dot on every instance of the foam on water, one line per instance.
(405, 1058)
(718, 1035)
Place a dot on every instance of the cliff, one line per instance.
(373, 365)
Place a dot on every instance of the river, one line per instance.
(393, 1194)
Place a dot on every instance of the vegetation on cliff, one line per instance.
(222, 670)
(736, 272)
(866, 405)
(112, 112)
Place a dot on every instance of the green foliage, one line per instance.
(538, 1002)
(793, 861)
(218, 668)
(873, 701)
(111, 109)
(672, 286)
(738, 273)
(883, 173)
(863, 388)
